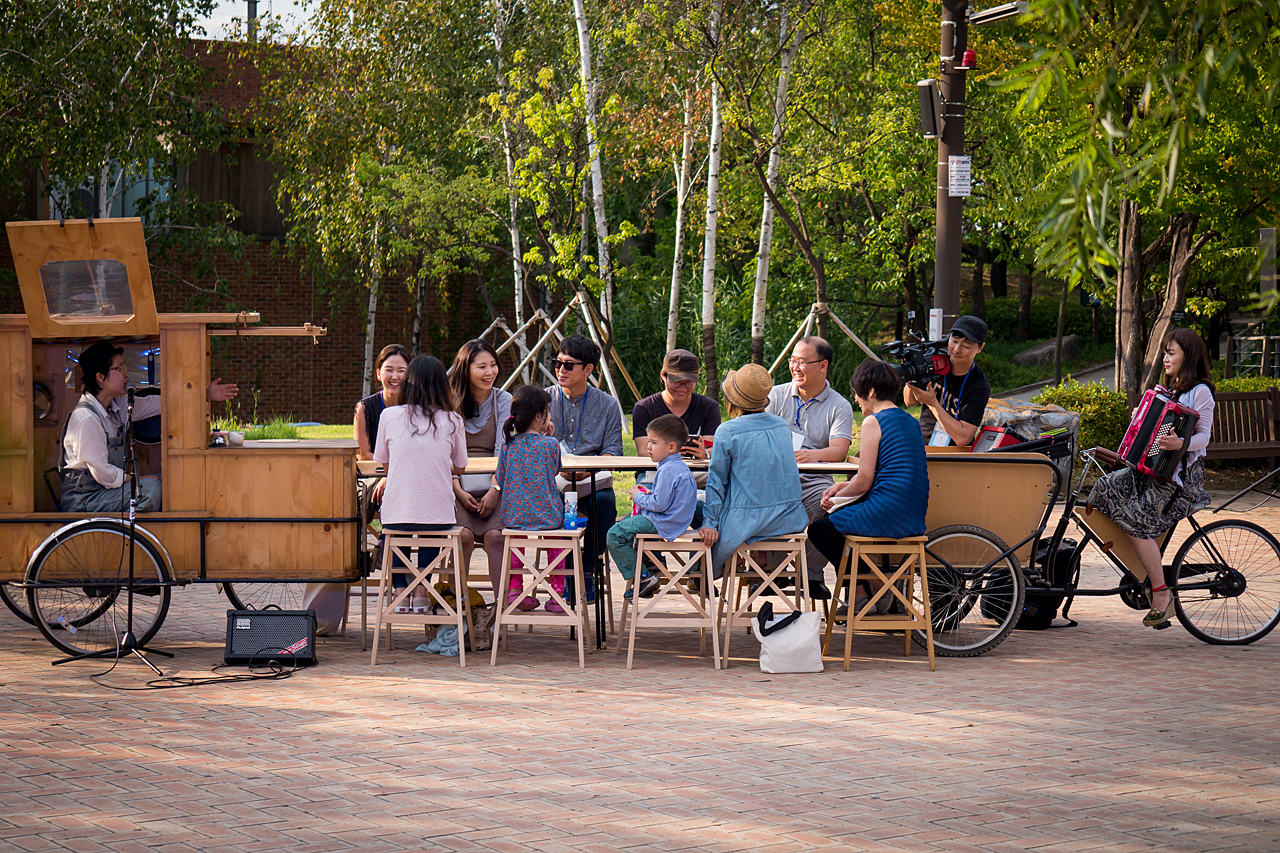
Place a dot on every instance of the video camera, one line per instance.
(920, 360)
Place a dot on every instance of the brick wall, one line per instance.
(293, 377)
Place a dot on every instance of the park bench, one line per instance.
(1244, 425)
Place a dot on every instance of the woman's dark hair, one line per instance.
(96, 359)
(879, 376)
(426, 391)
(527, 403)
(460, 375)
(583, 349)
(388, 351)
(1195, 361)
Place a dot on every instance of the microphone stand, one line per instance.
(128, 642)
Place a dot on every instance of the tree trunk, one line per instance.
(979, 291)
(370, 328)
(909, 280)
(1181, 255)
(709, 244)
(684, 173)
(498, 35)
(419, 317)
(790, 42)
(1024, 301)
(590, 91)
(1000, 278)
(1062, 322)
(1129, 303)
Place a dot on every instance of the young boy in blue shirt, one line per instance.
(666, 510)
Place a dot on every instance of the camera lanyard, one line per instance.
(585, 395)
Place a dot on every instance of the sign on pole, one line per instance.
(958, 176)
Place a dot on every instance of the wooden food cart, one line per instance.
(259, 514)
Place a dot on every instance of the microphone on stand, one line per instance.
(131, 403)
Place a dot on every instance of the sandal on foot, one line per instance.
(1158, 618)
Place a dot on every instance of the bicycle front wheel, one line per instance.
(976, 591)
(1226, 586)
(16, 601)
(78, 593)
(258, 596)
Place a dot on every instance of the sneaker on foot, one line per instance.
(649, 585)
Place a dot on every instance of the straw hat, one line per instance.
(748, 387)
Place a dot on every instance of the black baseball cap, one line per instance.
(96, 358)
(971, 327)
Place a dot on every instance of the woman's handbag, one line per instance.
(790, 644)
(475, 484)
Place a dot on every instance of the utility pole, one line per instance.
(946, 270)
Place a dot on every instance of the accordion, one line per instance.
(1157, 416)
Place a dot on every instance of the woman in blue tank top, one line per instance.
(891, 489)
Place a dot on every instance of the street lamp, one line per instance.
(955, 60)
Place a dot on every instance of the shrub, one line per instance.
(279, 427)
(1002, 318)
(1104, 413)
(1245, 383)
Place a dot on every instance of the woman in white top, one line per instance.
(422, 445)
(484, 410)
(1144, 507)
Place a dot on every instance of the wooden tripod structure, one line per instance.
(806, 328)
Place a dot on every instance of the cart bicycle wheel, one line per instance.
(259, 596)
(976, 591)
(16, 600)
(1226, 587)
(78, 592)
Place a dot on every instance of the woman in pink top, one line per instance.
(423, 444)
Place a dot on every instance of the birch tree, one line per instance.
(790, 44)
(713, 211)
(590, 90)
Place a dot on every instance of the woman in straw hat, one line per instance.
(753, 484)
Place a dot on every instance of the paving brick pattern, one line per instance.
(1106, 736)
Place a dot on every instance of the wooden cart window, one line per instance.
(89, 291)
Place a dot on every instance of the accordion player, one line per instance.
(1158, 415)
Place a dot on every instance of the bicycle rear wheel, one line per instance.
(976, 591)
(257, 596)
(79, 582)
(1226, 586)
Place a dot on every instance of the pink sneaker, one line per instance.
(530, 602)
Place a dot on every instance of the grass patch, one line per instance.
(327, 431)
(996, 360)
(277, 428)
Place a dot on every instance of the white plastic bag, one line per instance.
(792, 643)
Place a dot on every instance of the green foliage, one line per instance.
(996, 360)
(1002, 318)
(1104, 413)
(1245, 383)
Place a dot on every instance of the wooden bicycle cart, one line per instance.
(248, 517)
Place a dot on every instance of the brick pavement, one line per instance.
(1040, 745)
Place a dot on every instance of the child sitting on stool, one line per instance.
(667, 510)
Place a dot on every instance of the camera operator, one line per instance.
(953, 404)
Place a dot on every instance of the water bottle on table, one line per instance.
(571, 509)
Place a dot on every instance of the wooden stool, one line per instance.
(743, 571)
(694, 560)
(529, 544)
(856, 565)
(447, 563)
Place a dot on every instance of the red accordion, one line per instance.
(1157, 416)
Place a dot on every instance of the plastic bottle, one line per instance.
(571, 510)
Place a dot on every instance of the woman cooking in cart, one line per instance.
(1144, 507)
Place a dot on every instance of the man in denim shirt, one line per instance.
(667, 510)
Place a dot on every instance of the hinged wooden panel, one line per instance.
(84, 278)
(17, 456)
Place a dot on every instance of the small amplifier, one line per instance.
(993, 438)
(257, 636)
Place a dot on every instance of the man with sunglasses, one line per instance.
(587, 422)
(953, 404)
(91, 466)
(821, 422)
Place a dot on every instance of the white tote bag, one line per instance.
(790, 644)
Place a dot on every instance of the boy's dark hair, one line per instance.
(527, 403)
(668, 428)
(872, 375)
(580, 348)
